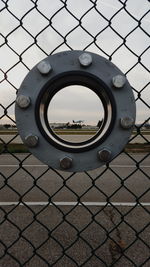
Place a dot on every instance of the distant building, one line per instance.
(57, 125)
(1, 127)
(144, 126)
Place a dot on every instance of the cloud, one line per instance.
(48, 38)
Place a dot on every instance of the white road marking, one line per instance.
(42, 165)
(129, 204)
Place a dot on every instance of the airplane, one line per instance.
(80, 121)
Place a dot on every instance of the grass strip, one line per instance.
(76, 133)
(138, 148)
(72, 132)
(2, 132)
(21, 148)
(13, 148)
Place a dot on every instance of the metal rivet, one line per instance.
(119, 81)
(126, 122)
(23, 101)
(104, 154)
(85, 59)
(31, 140)
(44, 67)
(65, 163)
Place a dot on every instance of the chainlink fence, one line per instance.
(53, 218)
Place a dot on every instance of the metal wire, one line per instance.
(53, 233)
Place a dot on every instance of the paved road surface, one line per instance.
(41, 235)
(76, 138)
(122, 170)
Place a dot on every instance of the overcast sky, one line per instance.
(81, 101)
(22, 43)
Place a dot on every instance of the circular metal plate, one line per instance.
(75, 68)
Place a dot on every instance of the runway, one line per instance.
(122, 182)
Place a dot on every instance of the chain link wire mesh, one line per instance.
(51, 218)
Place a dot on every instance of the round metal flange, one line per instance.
(45, 80)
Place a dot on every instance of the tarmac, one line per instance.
(112, 231)
(74, 236)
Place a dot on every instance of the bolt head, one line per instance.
(23, 101)
(44, 67)
(126, 122)
(65, 163)
(104, 154)
(31, 140)
(119, 81)
(85, 59)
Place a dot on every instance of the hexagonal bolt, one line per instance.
(85, 59)
(118, 81)
(23, 101)
(44, 67)
(104, 154)
(126, 122)
(66, 163)
(31, 140)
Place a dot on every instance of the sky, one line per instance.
(82, 100)
(36, 23)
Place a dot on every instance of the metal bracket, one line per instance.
(75, 68)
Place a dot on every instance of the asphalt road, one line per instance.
(42, 235)
(76, 138)
(122, 182)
